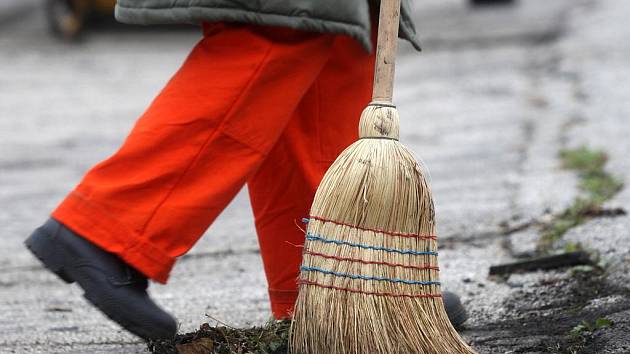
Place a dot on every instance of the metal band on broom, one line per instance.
(369, 279)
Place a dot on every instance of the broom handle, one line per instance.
(388, 23)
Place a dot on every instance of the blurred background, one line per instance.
(500, 88)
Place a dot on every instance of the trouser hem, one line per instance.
(95, 225)
(282, 303)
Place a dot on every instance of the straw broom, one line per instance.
(369, 277)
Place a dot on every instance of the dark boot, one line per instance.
(454, 309)
(116, 289)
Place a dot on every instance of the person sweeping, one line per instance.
(269, 97)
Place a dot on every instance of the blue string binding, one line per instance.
(365, 277)
(375, 248)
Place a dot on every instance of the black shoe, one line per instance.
(116, 289)
(454, 309)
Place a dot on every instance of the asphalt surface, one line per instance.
(487, 105)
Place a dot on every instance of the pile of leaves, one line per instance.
(271, 338)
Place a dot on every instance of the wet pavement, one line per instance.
(489, 103)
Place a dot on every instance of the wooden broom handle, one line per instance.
(386, 45)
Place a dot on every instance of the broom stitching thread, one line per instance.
(375, 248)
(423, 267)
(378, 137)
(367, 277)
(391, 233)
(380, 105)
(358, 291)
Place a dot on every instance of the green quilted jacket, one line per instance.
(351, 17)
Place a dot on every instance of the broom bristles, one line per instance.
(369, 279)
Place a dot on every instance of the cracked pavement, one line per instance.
(487, 105)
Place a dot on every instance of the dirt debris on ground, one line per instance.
(271, 338)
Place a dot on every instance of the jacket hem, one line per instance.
(197, 15)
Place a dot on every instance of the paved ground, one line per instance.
(488, 105)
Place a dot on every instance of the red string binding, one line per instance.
(306, 282)
(391, 233)
(422, 267)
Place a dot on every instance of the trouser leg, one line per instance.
(282, 190)
(197, 144)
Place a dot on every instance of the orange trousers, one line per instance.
(267, 106)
